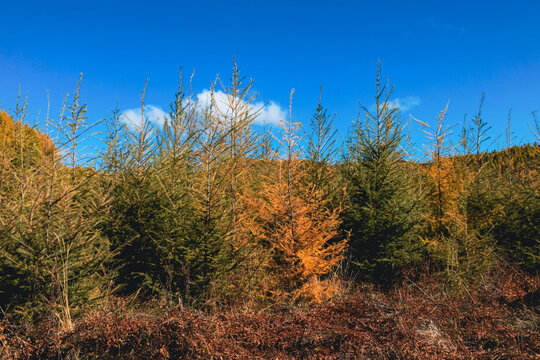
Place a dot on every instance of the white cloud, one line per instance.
(270, 113)
(403, 104)
(132, 117)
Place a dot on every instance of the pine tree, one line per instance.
(516, 224)
(51, 237)
(136, 222)
(22, 150)
(381, 213)
(210, 250)
(175, 177)
(237, 115)
(321, 154)
(480, 206)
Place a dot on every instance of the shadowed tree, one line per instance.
(381, 212)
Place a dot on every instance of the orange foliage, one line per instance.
(303, 249)
(447, 182)
(297, 228)
(11, 134)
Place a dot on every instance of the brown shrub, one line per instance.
(412, 321)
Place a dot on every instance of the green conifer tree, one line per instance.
(380, 212)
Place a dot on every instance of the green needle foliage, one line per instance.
(381, 212)
(322, 172)
(135, 224)
(52, 245)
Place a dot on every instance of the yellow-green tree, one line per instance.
(462, 250)
(51, 211)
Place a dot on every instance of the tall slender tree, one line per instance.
(51, 236)
(298, 231)
(321, 154)
(136, 222)
(381, 212)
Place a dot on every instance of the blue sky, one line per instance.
(432, 52)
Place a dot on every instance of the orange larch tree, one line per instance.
(300, 233)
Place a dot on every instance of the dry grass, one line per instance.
(412, 321)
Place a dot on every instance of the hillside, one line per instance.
(206, 237)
